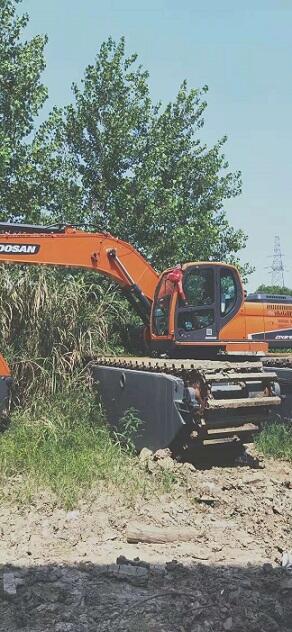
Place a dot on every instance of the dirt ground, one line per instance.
(59, 570)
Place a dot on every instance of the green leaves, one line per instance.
(112, 157)
(21, 96)
(138, 169)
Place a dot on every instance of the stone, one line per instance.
(207, 500)
(9, 584)
(72, 515)
(164, 453)
(228, 624)
(287, 560)
(286, 584)
(267, 568)
(167, 464)
(157, 570)
(136, 575)
(145, 455)
(136, 562)
(189, 467)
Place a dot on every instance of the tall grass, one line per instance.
(51, 320)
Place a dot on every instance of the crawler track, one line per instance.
(221, 402)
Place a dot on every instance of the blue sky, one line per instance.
(242, 49)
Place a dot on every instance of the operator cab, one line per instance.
(194, 302)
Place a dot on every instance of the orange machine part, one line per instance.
(4, 368)
(257, 318)
(76, 248)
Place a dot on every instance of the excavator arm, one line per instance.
(68, 246)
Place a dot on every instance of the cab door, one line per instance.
(213, 297)
(197, 313)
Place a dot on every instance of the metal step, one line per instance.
(232, 430)
(244, 402)
(223, 441)
(241, 377)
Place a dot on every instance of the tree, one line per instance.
(274, 289)
(21, 96)
(112, 157)
(139, 170)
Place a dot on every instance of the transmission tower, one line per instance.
(277, 268)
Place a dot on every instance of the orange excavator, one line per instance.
(197, 322)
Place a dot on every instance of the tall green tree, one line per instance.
(21, 97)
(111, 157)
(139, 170)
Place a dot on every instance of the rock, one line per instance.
(150, 465)
(267, 568)
(287, 560)
(228, 624)
(277, 509)
(269, 623)
(162, 454)
(136, 575)
(211, 489)
(72, 515)
(145, 455)
(189, 467)
(200, 555)
(136, 562)
(157, 570)
(9, 584)
(206, 500)
(286, 584)
(167, 464)
(174, 565)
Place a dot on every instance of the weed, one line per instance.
(64, 446)
(276, 440)
(128, 429)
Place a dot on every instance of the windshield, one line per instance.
(199, 287)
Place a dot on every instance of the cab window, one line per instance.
(228, 292)
(199, 287)
(162, 307)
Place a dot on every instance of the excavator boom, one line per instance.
(69, 247)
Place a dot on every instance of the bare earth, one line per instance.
(58, 569)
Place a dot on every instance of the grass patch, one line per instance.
(276, 440)
(64, 446)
